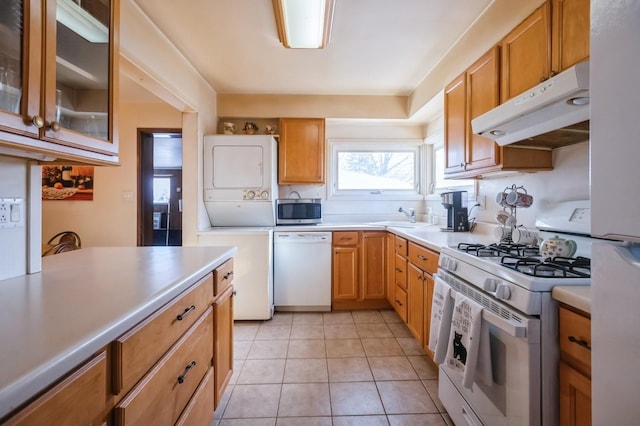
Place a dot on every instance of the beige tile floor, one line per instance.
(322, 369)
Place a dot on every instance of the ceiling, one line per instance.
(377, 47)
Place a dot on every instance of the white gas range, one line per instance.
(513, 284)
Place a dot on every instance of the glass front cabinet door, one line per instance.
(58, 76)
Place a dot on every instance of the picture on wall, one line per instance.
(67, 182)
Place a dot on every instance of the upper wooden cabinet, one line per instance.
(570, 25)
(552, 39)
(301, 151)
(59, 66)
(526, 54)
(473, 93)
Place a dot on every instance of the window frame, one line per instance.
(336, 146)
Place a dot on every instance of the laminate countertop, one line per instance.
(577, 296)
(81, 301)
(428, 235)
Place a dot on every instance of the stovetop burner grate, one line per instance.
(526, 259)
(557, 267)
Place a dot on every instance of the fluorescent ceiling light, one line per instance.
(78, 20)
(304, 24)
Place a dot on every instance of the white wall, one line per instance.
(569, 180)
(13, 241)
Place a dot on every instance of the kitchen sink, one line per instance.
(400, 224)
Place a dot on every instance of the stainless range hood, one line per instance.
(554, 113)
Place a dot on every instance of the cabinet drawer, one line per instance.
(78, 399)
(222, 277)
(423, 258)
(400, 245)
(136, 351)
(400, 271)
(345, 238)
(575, 340)
(162, 395)
(400, 303)
(200, 409)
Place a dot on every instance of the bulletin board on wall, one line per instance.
(67, 182)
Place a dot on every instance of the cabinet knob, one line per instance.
(37, 121)
(54, 125)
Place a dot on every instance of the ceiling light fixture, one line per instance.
(304, 24)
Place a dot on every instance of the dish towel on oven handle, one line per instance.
(469, 350)
(441, 309)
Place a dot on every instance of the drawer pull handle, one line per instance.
(186, 371)
(421, 257)
(227, 275)
(399, 302)
(398, 270)
(234, 292)
(181, 316)
(580, 342)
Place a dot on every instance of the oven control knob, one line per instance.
(503, 292)
(251, 195)
(490, 284)
(448, 263)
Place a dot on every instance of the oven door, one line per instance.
(514, 396)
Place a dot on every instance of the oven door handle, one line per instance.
(508, 327)
(504, 325)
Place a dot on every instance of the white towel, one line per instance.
(465, 341)
(441, 309)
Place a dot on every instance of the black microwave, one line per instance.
(301, 211)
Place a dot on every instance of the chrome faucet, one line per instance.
(410, 213)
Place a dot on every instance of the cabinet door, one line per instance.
(20, 65)
(575, 397)
(526, 54)
(345, 273)
(373, 266)
(483, 94)
(81, 74)
(223, 342)
(301, 151)
(455, 124)
(415, 296)
(570, 36)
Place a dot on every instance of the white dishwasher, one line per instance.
(302, 271)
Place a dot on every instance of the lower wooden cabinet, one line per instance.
(410, 276)
(359, 270)
(575, 397)
(161, 396)
(223, 342)
(80, 399)
(575, 367)
(416, 308)
(172, 368)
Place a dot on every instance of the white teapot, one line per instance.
(557, 247)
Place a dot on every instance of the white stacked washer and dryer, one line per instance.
(240, 191)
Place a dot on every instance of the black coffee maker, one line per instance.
(456, 204)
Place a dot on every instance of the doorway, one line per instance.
(160, 187)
